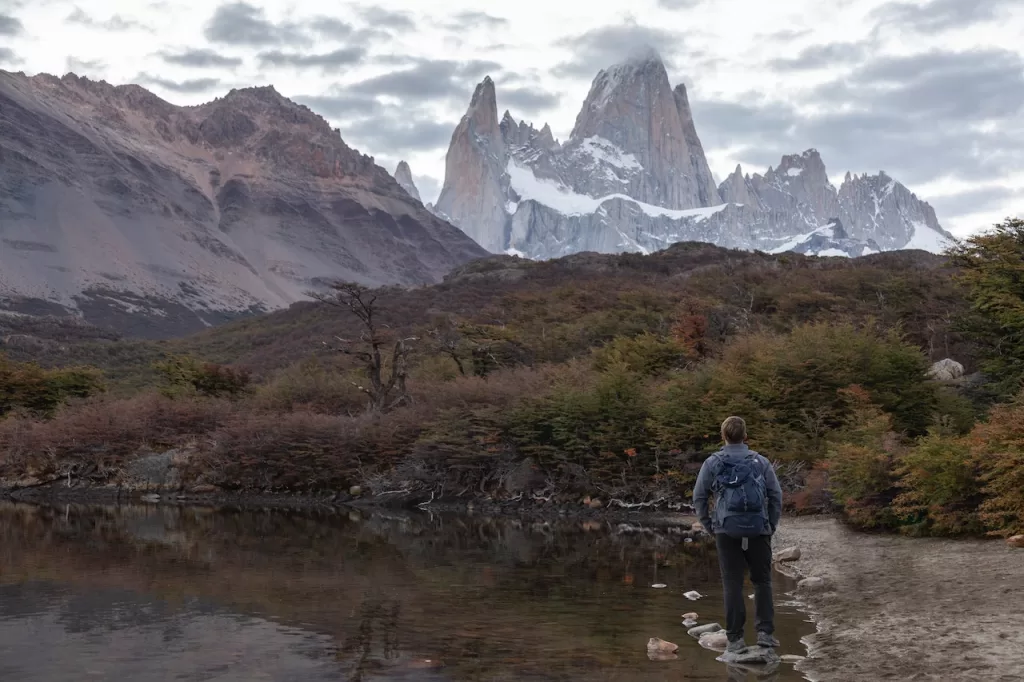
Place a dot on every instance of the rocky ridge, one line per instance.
(155, 219)
(633, 176)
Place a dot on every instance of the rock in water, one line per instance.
(791, 658)
(690, 622)
(662, 656)
(752, 654)
(946, 370)
(788, 554)
(815, 584)
(716, 641)
(659, 586)
(1016, 541)
(693, 595)
(704, 629)
(692, 615)
(660, 646)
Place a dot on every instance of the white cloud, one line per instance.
(728, 51)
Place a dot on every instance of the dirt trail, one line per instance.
(910, 609)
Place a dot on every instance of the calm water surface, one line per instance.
(147, 594)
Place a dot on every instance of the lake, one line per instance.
(148, 593)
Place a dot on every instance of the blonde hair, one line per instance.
(734, 430)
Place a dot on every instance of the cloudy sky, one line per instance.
(931, 91)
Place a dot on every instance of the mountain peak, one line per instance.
(641, 55)
(403, 175)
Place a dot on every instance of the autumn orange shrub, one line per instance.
(998, 446)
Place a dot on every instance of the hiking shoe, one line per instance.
(736, 646)
(766, 640)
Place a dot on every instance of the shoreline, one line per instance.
(677, 520)
(925, 608)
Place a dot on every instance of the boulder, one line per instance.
(815, 584)
(716, 641)
(788, 554)
(704, 629)
(752, 654)
(1016, 541)
(660, 646)
(946, 370)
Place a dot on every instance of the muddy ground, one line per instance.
(909, 608)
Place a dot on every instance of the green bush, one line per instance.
(941, 488)
(185, 375)
(29, 387)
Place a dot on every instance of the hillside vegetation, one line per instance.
(600, 378)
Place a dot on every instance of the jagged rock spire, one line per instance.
(632, 105)
(403, 174)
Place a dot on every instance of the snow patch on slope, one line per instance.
(605, 150)
(927, 239)
(563, 200)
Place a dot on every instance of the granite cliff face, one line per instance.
(633, 176)
(156, 219)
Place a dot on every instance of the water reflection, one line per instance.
(147, 593)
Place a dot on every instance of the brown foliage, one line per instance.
(103, 435)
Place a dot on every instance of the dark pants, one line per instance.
(734, 561)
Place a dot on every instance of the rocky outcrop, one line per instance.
(156, 220)
(633, 176)
(403, 175)
(633, 119)
(472, 196)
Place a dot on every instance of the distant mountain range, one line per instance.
(633, 177)
(154, 219)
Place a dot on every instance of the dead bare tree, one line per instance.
(386, 377)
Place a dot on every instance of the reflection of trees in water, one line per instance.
(475, 592)
(377, 616)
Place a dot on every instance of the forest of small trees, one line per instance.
(597, 377)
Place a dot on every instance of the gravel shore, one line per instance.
(907, 608)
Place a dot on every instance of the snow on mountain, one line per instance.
(633, 177)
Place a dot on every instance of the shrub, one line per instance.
(998, 445)
(185, 375)
(29, 387)
(311, 385)
(861, 463)
(645, 354)
(104, 434)
(941, 487)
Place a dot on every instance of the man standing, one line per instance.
(747, 507)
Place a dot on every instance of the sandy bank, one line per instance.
(909, 609)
